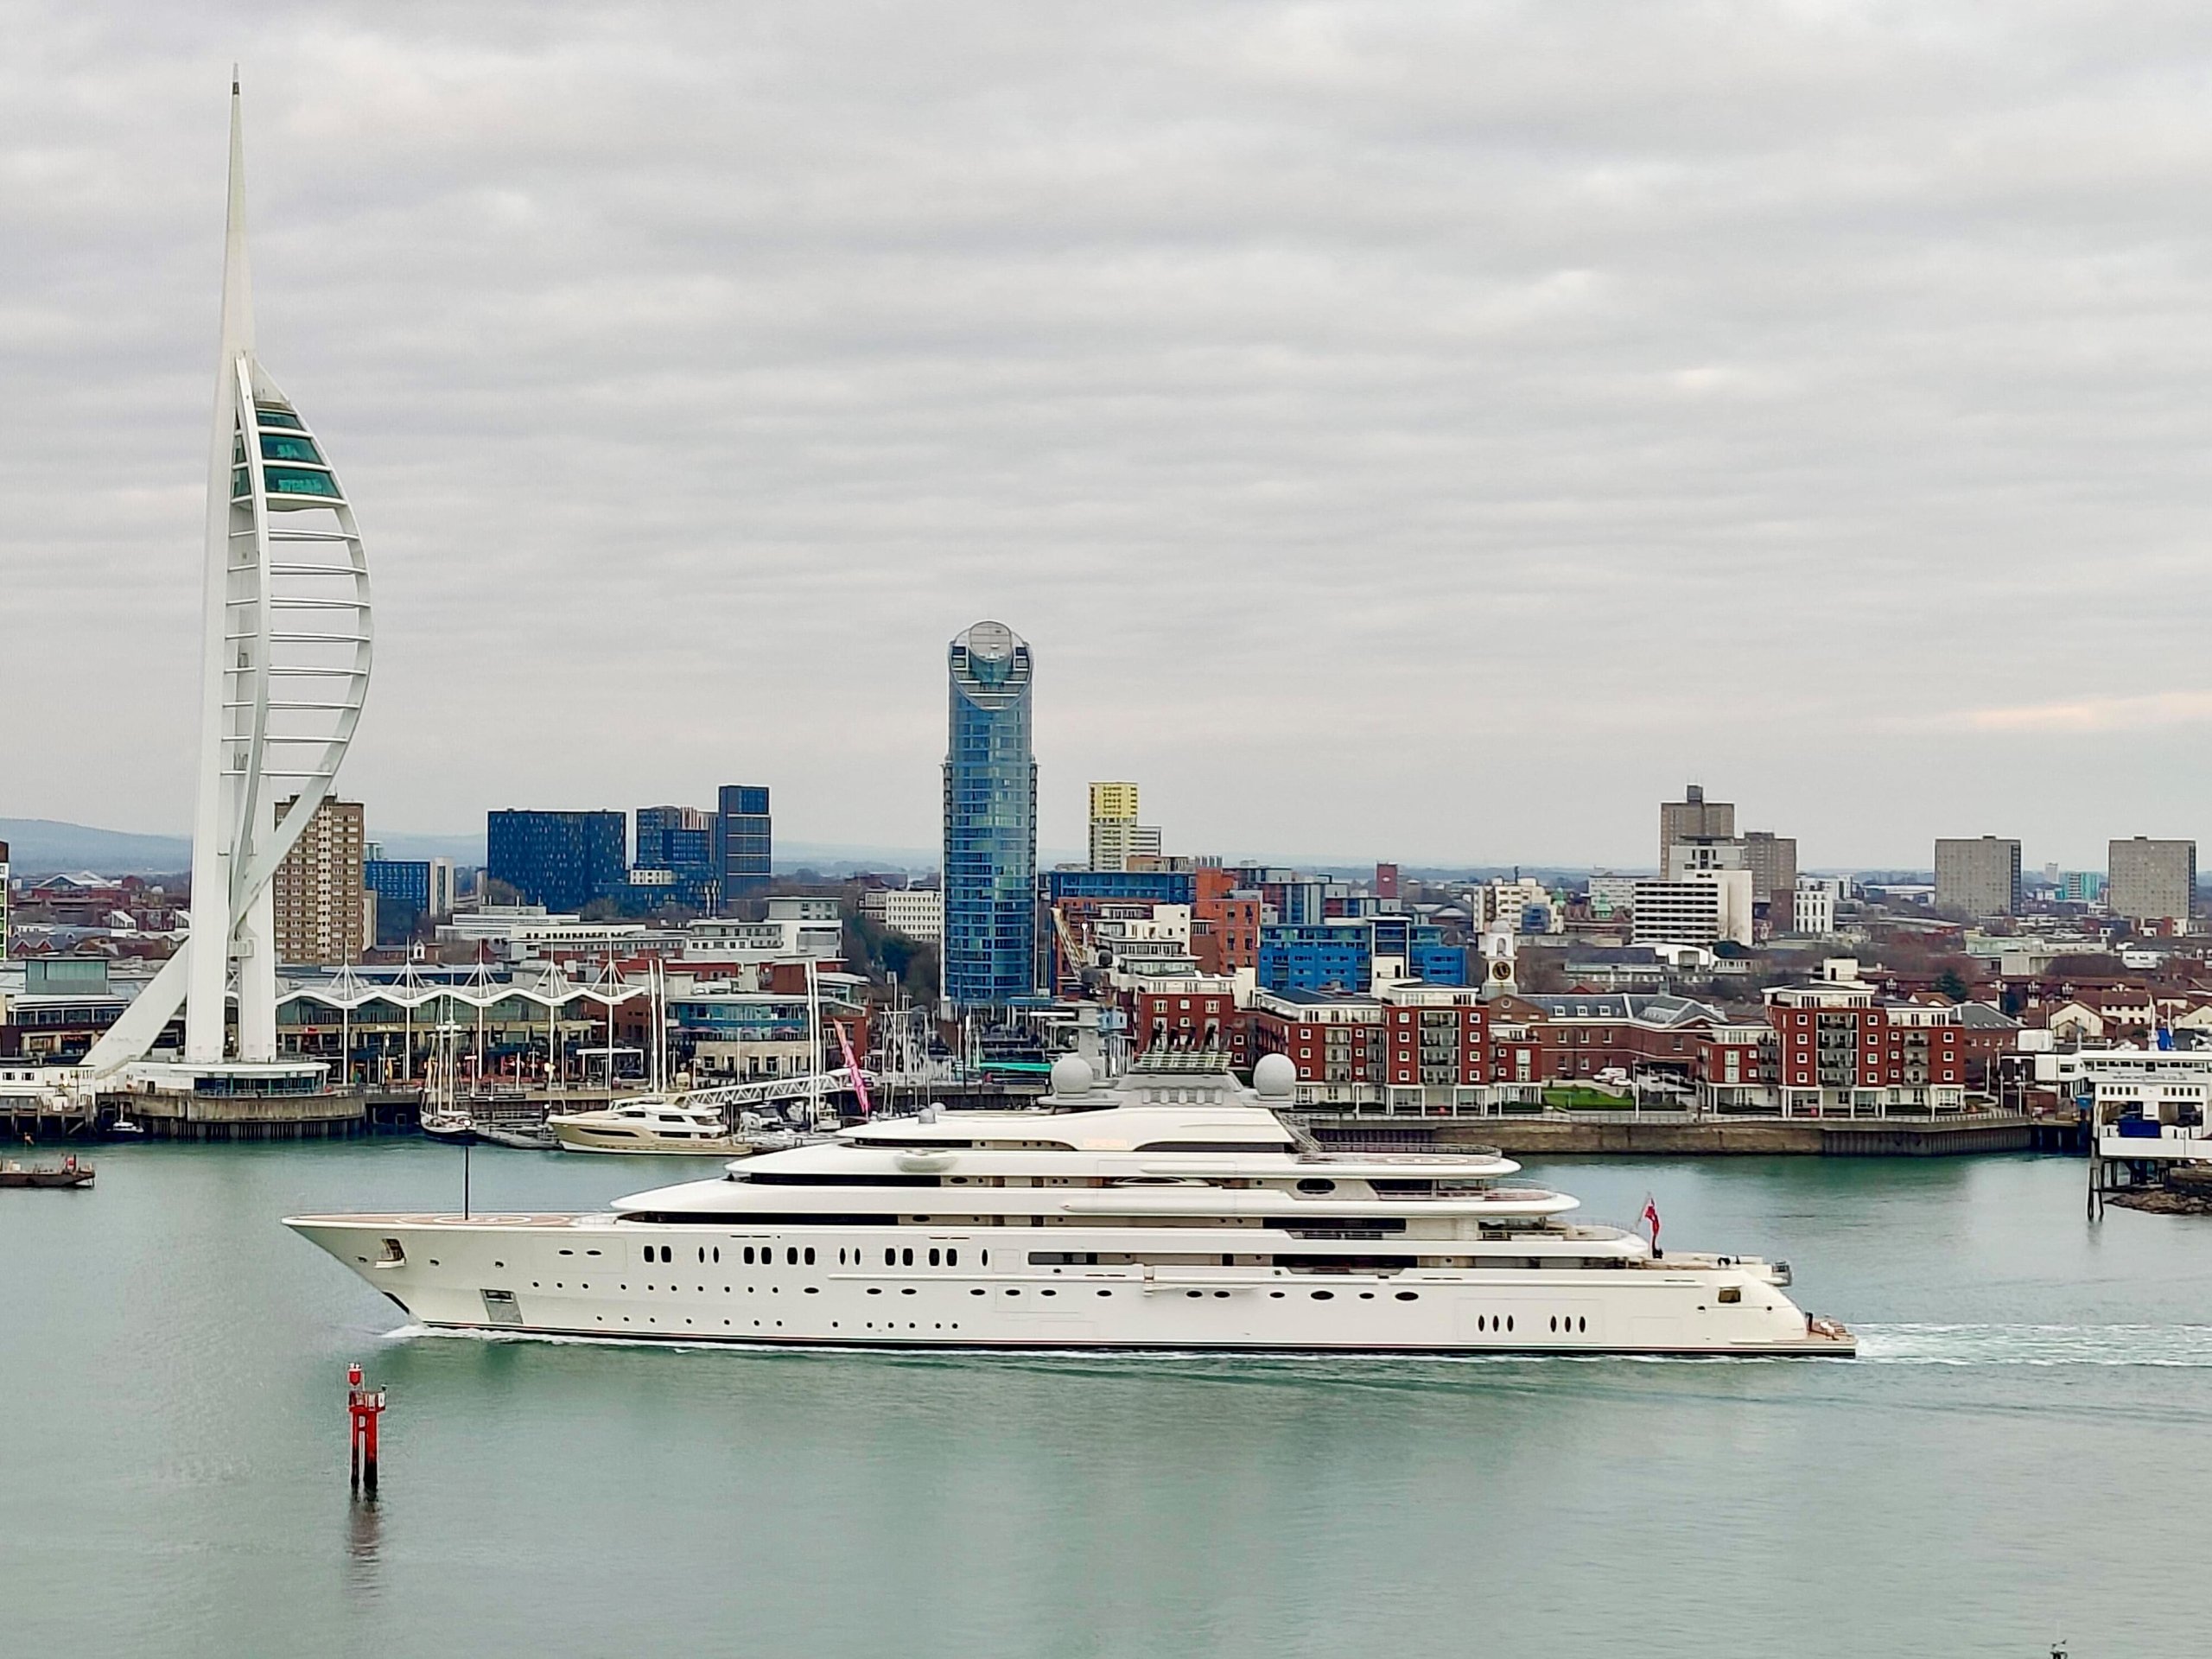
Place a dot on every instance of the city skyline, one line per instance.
(1745, 464)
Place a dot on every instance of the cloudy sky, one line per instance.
(1421, 430)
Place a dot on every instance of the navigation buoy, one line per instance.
(364, 1406)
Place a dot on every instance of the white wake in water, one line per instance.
(2183, 1345)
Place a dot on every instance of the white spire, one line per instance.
(238, 275)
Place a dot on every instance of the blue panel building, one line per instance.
(990, 823)
(402, 889)
(1156, 886)
(561, 860)
(1317, 956)
(679, 842)
(743, 846)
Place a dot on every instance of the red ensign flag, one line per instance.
(1651, 1214)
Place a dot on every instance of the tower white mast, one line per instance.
(285, 647)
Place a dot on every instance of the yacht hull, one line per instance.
(590, 1276)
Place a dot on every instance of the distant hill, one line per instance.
(41, 845)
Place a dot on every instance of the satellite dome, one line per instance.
(1275, 1077)
(1071, 1075)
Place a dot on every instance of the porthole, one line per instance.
(907, 1258)
(1316, 1187)
(1508, 1322)
(1194, 1294)
(790, 1255)
(976, 1292)
(875, 1290)
(1324, 1295)
(809, 1255)
(1581, 1323)
(748, 1255)
(1048, 1293)
(1554, 1321)
(1105, 1293)
(1275, 1294)
(1012, 1292)
(1409, 1295)
(908, 1292)
(1221, 1292)
(933, 1258)
(890, 1258)
(703, 1252)
(1366, 1295)
(718, 1253)
(952, 1258)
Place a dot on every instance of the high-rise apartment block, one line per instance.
(2150, 880)
(561, 860)
(1980, 876)
(1772, 861)
(1694, 818)
(744, 842)
(990, 822)
(1116, 837)
(320, 915)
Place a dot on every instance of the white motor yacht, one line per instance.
(647, 1126)
(1175, 1208)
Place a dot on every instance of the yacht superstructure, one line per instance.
(1175, 1208)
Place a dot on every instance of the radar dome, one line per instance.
(1275, 1077)
(1071, 1075)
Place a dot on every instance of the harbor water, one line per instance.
(2010, 1459)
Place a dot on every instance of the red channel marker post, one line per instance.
(365, 1406)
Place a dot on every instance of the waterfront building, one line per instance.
(1336, 956)
(1694, 818)
(1149, 886)
(561, 860)
(1843, 1049)
(2152, 881)
(285, 653)
(320, 913)
(1979, 876)
(3, 901)
(990, 822)
(744, 839)
(1224, 923)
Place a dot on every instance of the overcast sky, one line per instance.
(1430, 432)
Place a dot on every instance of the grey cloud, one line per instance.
(1416, 430)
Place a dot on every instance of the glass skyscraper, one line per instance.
(990, 823)
(743, 843)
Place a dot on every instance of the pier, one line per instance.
(1674, 1134)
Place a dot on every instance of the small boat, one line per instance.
(68, 1173)
(125, 1126)
(536, 1138)
(647, 1126)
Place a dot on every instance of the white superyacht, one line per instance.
(1173, 1208)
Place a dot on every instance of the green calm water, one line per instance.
(2014, 1457)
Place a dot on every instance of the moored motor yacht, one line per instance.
(647, 1126)
(1174, 1208)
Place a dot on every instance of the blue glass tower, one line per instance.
(990, 823)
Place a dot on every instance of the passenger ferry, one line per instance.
(1173, 1208)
